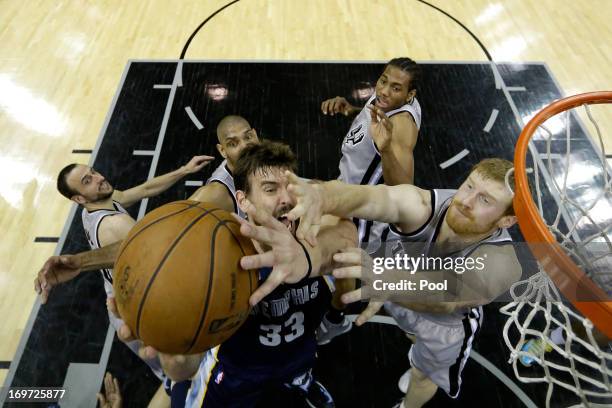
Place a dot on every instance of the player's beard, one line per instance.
(104, 196)
(462, 222)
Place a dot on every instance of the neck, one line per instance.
(106, 204)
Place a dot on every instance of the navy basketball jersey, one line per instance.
(361, 162)
(91, 224)
(281, 328)
(223, 175)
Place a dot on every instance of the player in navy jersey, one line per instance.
(276, 346)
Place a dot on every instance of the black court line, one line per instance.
(4, 365)
(191, 37)
(82, 151)
(46, 239)
(608, 156)
(480, 44)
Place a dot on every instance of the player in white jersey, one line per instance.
(377, 149)
(469, 221)
(105, 219)
(234, 133)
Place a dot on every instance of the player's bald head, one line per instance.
(229, 123)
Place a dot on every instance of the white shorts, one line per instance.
(440, 350)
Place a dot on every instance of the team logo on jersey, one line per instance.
(354, 136)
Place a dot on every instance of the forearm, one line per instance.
(161, 183)
(331, 240)
(103, 258)
(348, 200)
(395, 170)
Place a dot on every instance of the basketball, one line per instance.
(178, 283)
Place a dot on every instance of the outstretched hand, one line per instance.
(56, 270)
(358, 265)
(112, 393)
(197, 163)
(308, 208)
(381, 127)
(284, 254)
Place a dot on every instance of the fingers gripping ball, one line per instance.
(177, 280)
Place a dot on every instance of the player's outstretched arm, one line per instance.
(405, 205)
(215, 193)
(62, 268)
(395, 139)
(338, 105)
(161, 183)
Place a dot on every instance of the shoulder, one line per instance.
(114, 227)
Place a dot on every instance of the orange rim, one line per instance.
(568, 277)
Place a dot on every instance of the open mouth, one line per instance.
(381, 103)
(288, 224)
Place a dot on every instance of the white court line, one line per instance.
(179, 73)
(193, 118)
(194, 183)
(516, 88)
(161, 136)
(474, 355)
(162, 86)
(143, 152)
(454, 159)
(25, 335)
(542, 167)
(491, 121)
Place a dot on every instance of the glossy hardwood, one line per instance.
(60, 64)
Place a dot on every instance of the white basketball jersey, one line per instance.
(91, 224)
(361, 162)
(427, 234)
(223, 175)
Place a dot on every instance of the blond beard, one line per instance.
(465, 225)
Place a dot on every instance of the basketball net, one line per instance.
(579, 365)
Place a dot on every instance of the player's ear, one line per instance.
(79, 199)
(221, 150)
(506, 221)
(255, 135)
(411, 95)
(243, 201)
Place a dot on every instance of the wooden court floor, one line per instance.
(60, 64)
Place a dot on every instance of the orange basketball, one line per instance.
(178, 283)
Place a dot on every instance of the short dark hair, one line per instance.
(411, 68)
(62, 182)
(261, 157)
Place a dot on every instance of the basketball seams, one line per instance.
(211, 275)
(162, 262)
(137, 233)
(238, 242)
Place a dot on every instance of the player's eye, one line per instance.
(396, 89)
(485, 199)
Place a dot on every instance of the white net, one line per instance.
(571, 188)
